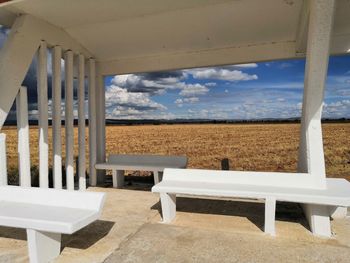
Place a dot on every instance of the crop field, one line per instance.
(254, 147)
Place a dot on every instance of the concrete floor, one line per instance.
(204, 231)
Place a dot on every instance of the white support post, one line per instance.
(118, 178)
(43, 246)
(311, 156)
(23, 138)
(81, 122)
(3, 158)
(69, 120)
(156, 177)
(92, 122)
(101, 125)
(56, 117)
(168, 202)
(270, 214)
(43, 117)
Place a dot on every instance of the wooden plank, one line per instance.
(43, 116)
(23, 138)
(69, 120)
(81, 122)
(56, 117)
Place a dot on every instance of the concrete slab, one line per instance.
(204, 230)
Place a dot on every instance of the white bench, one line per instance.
(252, 185)
(46, 214)
(118, 163)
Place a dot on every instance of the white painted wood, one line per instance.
(118, 178)
(81, 122)
(92, 122)
(203, 58)
(228, 185)
(46, 214)
(69, 120)
(270, 213)
(338, 212)
(15, 58)
(301, 36)
(23, 138)
(155, 163)
(43, 116)
(43, 246)
(100, 125)
(56, 117)
(318, 218)
(168, 202)
(311, 155)
(3, 160)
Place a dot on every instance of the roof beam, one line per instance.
(301, 36)
(7, 18)
(201, 58)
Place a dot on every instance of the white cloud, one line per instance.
(191, 90)
(248, 65)
(222, 74)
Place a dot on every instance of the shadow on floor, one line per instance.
(88, 236)
(82, 239)
(253, 211)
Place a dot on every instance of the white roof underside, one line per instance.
(125, 29)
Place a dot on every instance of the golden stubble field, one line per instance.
(257, 147)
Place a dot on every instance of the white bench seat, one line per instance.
(118, 163)
(230, 184)
(46, 214)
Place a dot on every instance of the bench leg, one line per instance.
(270, 213)
(156, 176)
(168, 202)
(118, 178)
(338, 212)
(43, 246)
(319, 221)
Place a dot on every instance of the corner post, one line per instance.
(101, 124)
(311, 156)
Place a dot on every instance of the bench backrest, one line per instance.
(52, 197)
(173, 161)
(300, 180)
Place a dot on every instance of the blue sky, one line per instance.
(249, 91)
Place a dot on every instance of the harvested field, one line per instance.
(259, 147)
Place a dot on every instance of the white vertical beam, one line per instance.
(311, 156)
(81, 122)
(15, 58)
(92, 121)
(43, 116)
(3, 158)
(56, 117)
(23, 138)
(101, 125)
(69, 121)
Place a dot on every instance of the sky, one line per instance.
(247, 91)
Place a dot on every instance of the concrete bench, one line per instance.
(230, 184)
(46, 214)
(118, 163)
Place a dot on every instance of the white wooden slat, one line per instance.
(43, 116)
(56, 117)
(3, 160)
(23, 138)
(81, 122)
(69, 121)
(92, 121)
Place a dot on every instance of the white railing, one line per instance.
(72, 61)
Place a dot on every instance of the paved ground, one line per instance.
(204, 231)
